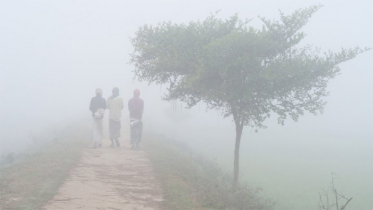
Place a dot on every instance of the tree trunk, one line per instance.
(239, 128)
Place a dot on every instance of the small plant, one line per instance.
(331, 198)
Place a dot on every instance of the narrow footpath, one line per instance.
(110, 179)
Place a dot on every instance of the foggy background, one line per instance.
(54, 54)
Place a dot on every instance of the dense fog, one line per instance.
(54, 54)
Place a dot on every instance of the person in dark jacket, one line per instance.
(97, 107)
(136, 109)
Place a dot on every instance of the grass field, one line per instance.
(35, 178)
(189, 181)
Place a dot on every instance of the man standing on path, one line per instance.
(136, 108)
(97, 107)
(115, 106)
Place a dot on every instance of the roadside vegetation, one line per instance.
(190, 181)
(36, 175)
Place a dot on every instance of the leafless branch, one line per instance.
(326, 204)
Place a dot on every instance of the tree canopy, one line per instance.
(235, 67)
(245, 72)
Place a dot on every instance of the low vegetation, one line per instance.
(190, 181)
(34, 178)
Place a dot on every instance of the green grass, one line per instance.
(191, 182)
(172, 169)
(35, 179)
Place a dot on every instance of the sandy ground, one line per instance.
(110, 179)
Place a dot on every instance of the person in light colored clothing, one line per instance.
(97, 107)
(115, 106)
(136, 108)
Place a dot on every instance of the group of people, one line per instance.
(115, 106)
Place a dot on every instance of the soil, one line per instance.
(110, 179)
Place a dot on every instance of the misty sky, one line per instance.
(54, 54)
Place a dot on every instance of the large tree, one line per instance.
(245, 72)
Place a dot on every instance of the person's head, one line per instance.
(98, 92)
(115, 91)
(136, 93)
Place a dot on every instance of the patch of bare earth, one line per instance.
(110, 179)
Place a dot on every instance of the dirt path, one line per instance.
(110, 179)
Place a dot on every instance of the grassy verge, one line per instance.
(35, 178)
(191, 182)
